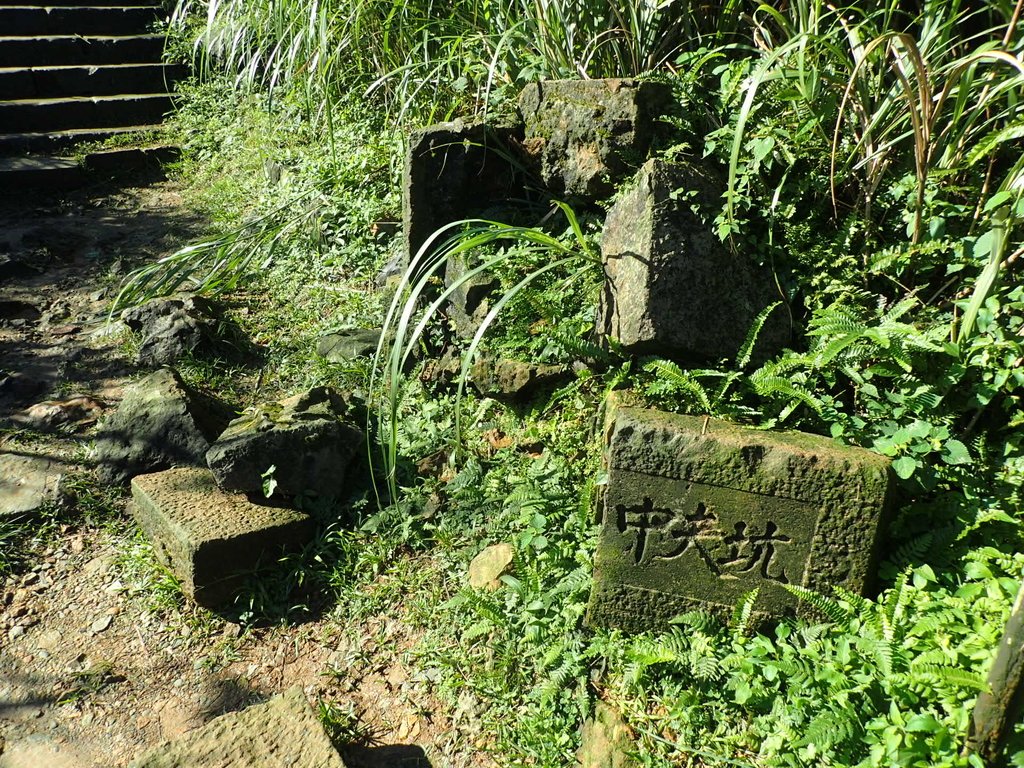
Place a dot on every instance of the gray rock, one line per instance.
(161, 423)
(505, 379)
(348, 344)
(29, 484)
(469, 302)
(174, 327)
(456, 171)
(283, 732)
(671, 286)
(605, 741)
(589, 135)
(207, 537)
(307, 438)
(698, 513)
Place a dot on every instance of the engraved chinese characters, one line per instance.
(696, 515)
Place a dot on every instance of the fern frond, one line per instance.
(829, 607)
(747, 347)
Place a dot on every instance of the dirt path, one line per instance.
(96, 666)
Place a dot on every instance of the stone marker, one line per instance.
(589, 135)
(29, 483)
(605, 741)
(283, 732)
(161, 423)
(699, 512)
(207, 537)
(307, 438)
(672, 287)
(456, 171)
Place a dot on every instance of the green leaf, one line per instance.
(955, 452)
(925, 723)
(905, 466)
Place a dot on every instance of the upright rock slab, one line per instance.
(283, 732)
(589, 135)
(671, 286)
(161, 423)
(697, 513)
(308, 439)
(455, 171)
(207, 537)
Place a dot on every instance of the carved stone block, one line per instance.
(697, 513)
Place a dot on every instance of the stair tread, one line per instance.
(77, 132)
(86, 38)
(90, 67)
(83, 99)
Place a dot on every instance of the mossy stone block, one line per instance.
(208, 537)
(698, 512)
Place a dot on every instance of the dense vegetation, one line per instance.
(873, 157)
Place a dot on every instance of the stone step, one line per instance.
(51, 82)
(75, 3)
(45, 115)
(209, 538)
(53, 173)
(27, 20)
(60, 50)
(53, 141)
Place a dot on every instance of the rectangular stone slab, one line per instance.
(282, 732)
(208, 537)
(698, 512)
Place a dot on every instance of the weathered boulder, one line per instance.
(505, 379)
(29, 484)
(671, 286)
(605, 741)
(456, 171)
(697, 513)
(587, 136)
(174, 327)
(161, 423)
(209, 538)
(283, 732)
(309, 439)
(487, 568)
(348, 344)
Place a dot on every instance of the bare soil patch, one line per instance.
(97, 665)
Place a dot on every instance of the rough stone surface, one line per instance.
(697, 513)
(174, 327)
(487, 568)
(348, 344)
(456, 171)
(671, 286)
(470, 301)
(161, 423)
(605, 741)
(28, 484)
(283, 732)
(589, 135)
(505, 379)
(208, 537)
(306, 438)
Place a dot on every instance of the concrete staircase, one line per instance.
(71, 73)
